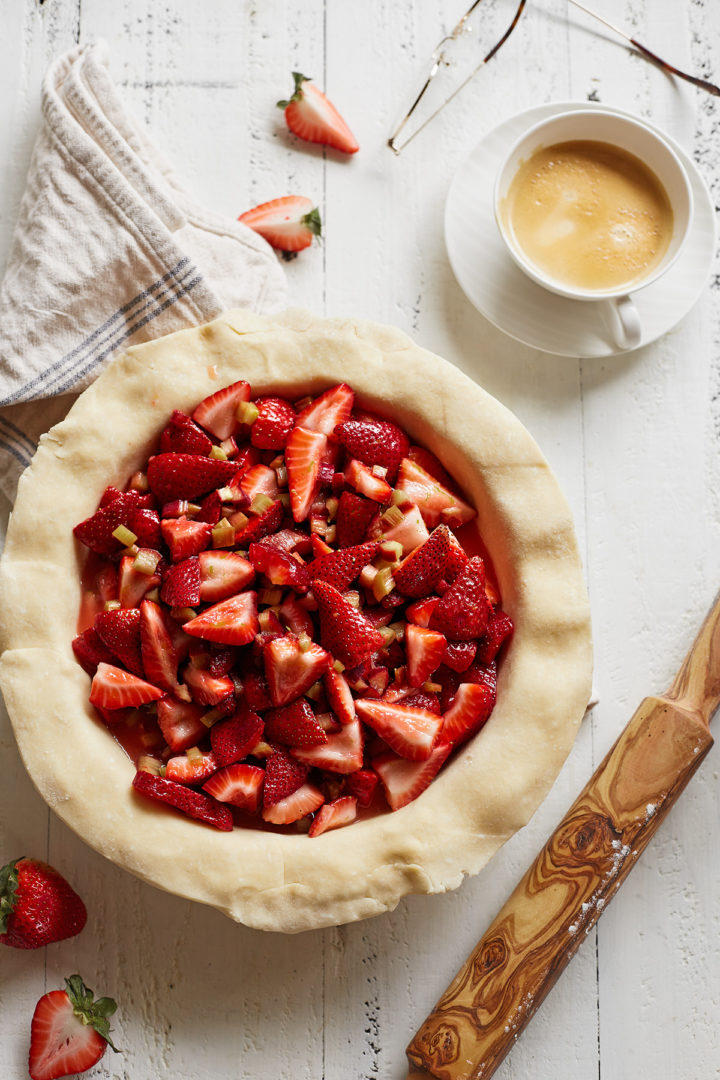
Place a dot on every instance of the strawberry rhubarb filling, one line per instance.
(280, 622)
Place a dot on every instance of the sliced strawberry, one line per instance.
(239, 785)
(223, 574)
(222, 661)
(256, 693)
(411, 532)
(305, 800)
(431, 464)
(342, 751)
(294, 725)
(146, 526)
(328, 410)
(109, 495)
(119, 629)
(319, 547)
(90, 650)
(290, 540)
(275, 421)
(421, 611)
(185, 538)
(339, 696)
(422, 699)
(366, 483)
(180, 723)
(113, 688)
(333, 815)
(185, 476)
(70, 1031)
(183, 436)
(499, 629)
(190, 770)
(233, 739)
(435, 502)
(96, 532)
(288, 223)
(404, 780)
(259, 480)
(471, 707)
(410, 732)
(259, 525)
(159, 657)
(340, 568)
(295, 617)
(181, 584)
(133, 585)
(205, 688)
(303, 454)
(193, 803)
(375, 442)
(216, 413)
(283, 776)
(343, 630)
(210, 510)
(354, 515)
(425, 650)
(457, 560)
(459, 655)
(463, 612)
(311, 116)
(231, 622)
(422, 569)
(279, 568)
(362, 785)
(290, 670)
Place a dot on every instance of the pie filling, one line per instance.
(284, 616)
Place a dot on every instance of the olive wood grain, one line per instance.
(574, 877)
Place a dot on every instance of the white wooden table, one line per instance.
(633, 440)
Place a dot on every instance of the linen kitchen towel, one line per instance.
(108, 251)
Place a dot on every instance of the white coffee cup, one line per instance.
(626, 134)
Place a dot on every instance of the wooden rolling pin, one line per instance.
(575, 876)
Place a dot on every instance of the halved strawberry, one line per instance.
(185, 538)
(181, 584)
(295, 617)
(113, 688)
(459, 655)
(483, 675)
(291, 670)
(436, 503)
(342, 751)
(303, 455)
(333, 815)
(343, 629)
(319, 547)
(404, 780)
(366, 483)
(259, 480)
(159, 657)
(422, 569)
(256, 693)
(231, 622)
(331, 408)
(470, 709)
(233, 739)
(421, 611)
(499, 629)
(362, 785)
(288, 223)
(193, 803)
(96, 532)
(258, 525)
(190, 770)
(310, 115)
(216, 413)
(457, 560)
(90, 650)
(411, 532)
(185, 476)
(375, 442)
(180, 723)
(464, 610)
(339, 696)
(183, 436)
(119, 629)
(410, 732)
(279, 568)
(340, 568)
(70, 1031)
(275, 421)
(283, 776)
(432, 464)
(239, 785)
(425, 650)
(133, 585)
(291, 540)
(294, 725)
(305, 800)
(223, 574)
(206, 688)
(354, 515)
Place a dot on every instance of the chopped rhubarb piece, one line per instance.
(279, 568)
(340, 568)
(205, 688)
(374, 442)
(471, 707)
(119, 629)
(217, 412)
(90, 650)
(223, 574)
(404, 780)
(183, 436)
(238, 785)
(339, 696)
(185, 538)
(499, 629)
(435, 502)
(333, 815)
(419, 572)
(181, 584)
(275, 420)
(294, 725)
(305, 800)
(193, 803)
(190, 770)
(231, 622)
(425, 650)
(186, 476)
(328, 410)
(362, 785)
(361, 478)
(303, 455)
(233, 739)
(290, 671)
(463, 612)
(410, 732)
(343, 630)
(113, 688)
(180, 723)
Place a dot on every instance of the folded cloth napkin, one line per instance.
(108, 251)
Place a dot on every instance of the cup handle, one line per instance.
(626, 323)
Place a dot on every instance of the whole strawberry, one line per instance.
(70, 1031)
(37, 906)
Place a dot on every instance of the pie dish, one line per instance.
(269, 880)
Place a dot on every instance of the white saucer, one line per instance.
(511, 301)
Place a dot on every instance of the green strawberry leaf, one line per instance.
(91, 1012)
(8, 892)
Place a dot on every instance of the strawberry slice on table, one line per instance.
(464, 610)
(119, 629)
(326, 411)
(471, 707)
(344, 631)
(37, 905)
(185, 538)
(206, 688)
(305, 800)
(294, 725)
(334, 815)
(288, 223)
(436, 503)
(192, 803)
(223, 574)
(231, 622)
(114, 688)
(311, 116)
(279, 567)
(340, 568)
(425, 650)
(410, 732)
(290, 669)
(70, 1031)
(366, 482)
(181, 584)
(239, 785)
(183, 436)
(404, 780)
(90, 650)
(180, 723)
(362, 785)
(374, 442)
(217, 412)
(342, 751)
(233, 739)
(159, 656)
(190, 770)
(303, 455)
(354, 515)
(421, 570)
(339, 696)
(186, 476)
(283, 777)
(275, 420)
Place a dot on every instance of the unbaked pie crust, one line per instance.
(489, 790)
